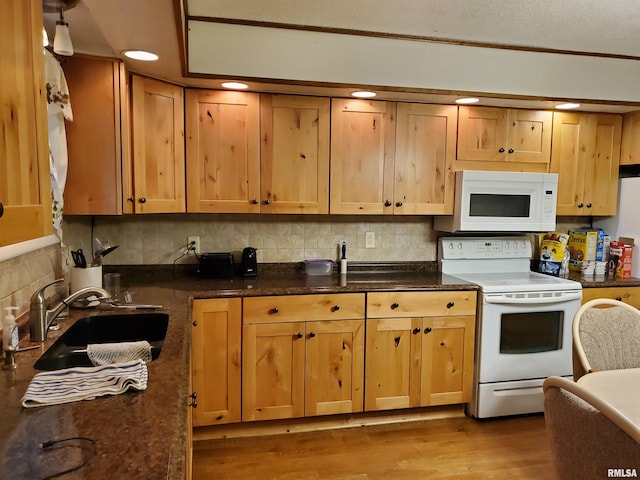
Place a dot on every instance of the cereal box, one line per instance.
(621, 252)
(583, 246)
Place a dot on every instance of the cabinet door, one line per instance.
(630, 148)
(529, 136)
(215, 360)
(223, 151)
(569, 160)
(362, 150)
(273, 371)
(158, 146)
(392, 369)
(482, 134)
(25, 188)
(294, 154)
(97, 88)
(447, 360)
(334, 367)
(425, 151)
(601, 175)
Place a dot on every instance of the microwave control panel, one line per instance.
(469, 248)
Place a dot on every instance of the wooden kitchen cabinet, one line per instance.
(389, 158)
(362, 156)
(294, 170)
(493, 138)
(425, 152)
(216, 360)
(630, 148)
(98, 136)
(155, 183)
(223, 151)
(25, 188)
(586, 155)
(630, 295)
(419, 349)
(303, 355)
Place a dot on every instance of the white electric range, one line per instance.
(523, 332)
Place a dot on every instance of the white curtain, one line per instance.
(58, 109)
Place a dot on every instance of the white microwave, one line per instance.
(502, 202)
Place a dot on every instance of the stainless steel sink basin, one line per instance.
(134, 327)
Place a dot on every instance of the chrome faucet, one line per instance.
(40, 317)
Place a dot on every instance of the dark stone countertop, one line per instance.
(606, 282)
(142, 435)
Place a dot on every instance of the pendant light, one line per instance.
(62, 41)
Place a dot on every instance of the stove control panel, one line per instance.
(468, 248)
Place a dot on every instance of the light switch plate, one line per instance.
(370, 240)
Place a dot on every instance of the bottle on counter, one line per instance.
(10, 336)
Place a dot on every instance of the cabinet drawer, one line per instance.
(288, 308)
(630, 295)
(420, 304)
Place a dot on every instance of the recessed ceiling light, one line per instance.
(568, 106)
(467, 101)
(363, 94)
(141, 55)
(235, 85)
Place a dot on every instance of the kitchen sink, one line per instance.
(64, 352)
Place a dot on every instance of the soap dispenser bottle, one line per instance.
(10, 337)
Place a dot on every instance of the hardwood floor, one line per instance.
(453, 448)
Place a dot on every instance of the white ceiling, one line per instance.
(607, 28)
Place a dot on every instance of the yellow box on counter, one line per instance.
(583, 245)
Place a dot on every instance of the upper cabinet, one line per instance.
(389, 158)
(158, 168)
(586, 155)
(630, 150)
(362, 151)
(294, 170)
(25, 189)
(97, 136)
(223, 151)
(492, 138)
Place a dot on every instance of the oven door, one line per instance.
(526, 335)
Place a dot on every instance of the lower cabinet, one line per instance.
(303, 355)
(630, 295)
(419, 349)
(215, 360)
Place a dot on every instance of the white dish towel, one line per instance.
(108, 353)
(85, 383)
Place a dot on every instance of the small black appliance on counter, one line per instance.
(216, 265)
(249, 262)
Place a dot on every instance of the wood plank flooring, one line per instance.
(452, 448)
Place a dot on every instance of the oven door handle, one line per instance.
(536, 299)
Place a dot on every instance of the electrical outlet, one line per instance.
(196, 240)
(370, 240)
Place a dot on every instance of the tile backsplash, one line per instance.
(160, 239)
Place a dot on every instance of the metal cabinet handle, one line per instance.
(511, 150)
(336, 308)
(1, 209)
(194, 398)
(428, 330)
(274, 310)
(588, 205)
(312, 334)
(131, 199)
(395, 305)
(254, 201)
(299, 335)
(194, 323)
(580, 205)
(267, 202)
(450, 305)
(416, 330)
(501, 150)
(387, 203)
(398, 204)
(143, 200)
(619, 299)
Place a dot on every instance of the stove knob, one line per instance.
(460, 246)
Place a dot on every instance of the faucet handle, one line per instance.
(38, 295)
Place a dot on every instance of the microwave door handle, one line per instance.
(535, 300)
